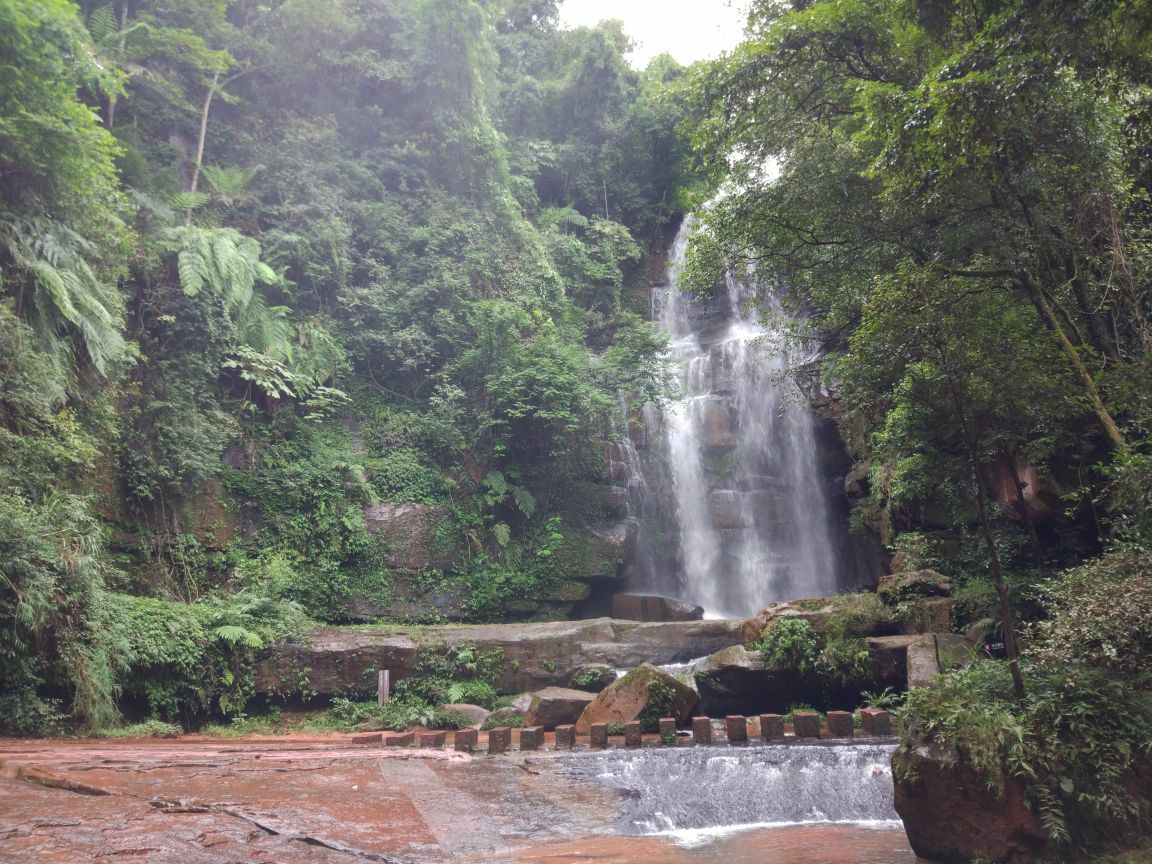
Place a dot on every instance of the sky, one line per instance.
(689, 30)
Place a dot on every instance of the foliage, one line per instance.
(398, 714)
(1086, 721)
(790, 645)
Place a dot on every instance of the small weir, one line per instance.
(702, 788)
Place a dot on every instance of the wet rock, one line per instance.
(652, 607)
(645, 693)
(949, 813)
(716, 423)
(338, 660)
(557, 706)
(725, 507)
(473, 712)
(592, 678)
(611, 546)
(409, 530)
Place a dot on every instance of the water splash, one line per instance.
(685, 791)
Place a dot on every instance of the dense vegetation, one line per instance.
(269, 267)
(266, 265)
(955, 196)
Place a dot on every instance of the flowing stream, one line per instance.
(734, 487)
(756, 803)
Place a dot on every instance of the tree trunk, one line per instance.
(1007, 619)
(1036, 295)
(199, 161)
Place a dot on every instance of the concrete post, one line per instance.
(806, 724)
(399, 739)
(432, 740)
(737, 729)
(771, 727)
(668, 731)
(701, 730)
(464, 741)
(633, 734)
(599, 735)
(876, 721)
(383, 686)
(565, 737)
(840, 724)
(499, 740)
(531, 737)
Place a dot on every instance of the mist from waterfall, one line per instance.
(749, 512)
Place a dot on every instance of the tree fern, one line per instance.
(68, 300)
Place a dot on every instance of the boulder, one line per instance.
(734, 681)
(950, 814)
(647, 694)
(409, 531)
(409, 597)
(855, 614)
(516, 709)
(477, 714)
(652, 607)
(592, 678)
(557, 706)
(915, 583)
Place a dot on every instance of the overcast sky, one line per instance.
(689, 30)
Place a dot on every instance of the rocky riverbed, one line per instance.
(322, 799)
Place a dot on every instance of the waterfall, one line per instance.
(748, 515)
(712, 787)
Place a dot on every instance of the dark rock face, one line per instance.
(557, 706)
(644, 690)
(951, 816)
(734, 681)
(651, 607)
(338, 660)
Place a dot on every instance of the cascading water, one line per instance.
(750, 514)
(688, 789)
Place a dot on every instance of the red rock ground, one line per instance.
(290, 799)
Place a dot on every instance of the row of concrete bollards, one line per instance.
(805, 724)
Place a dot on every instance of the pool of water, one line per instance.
(877, 843)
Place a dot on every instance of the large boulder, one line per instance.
(950, 814)
(647, 694)
(474, 712)
(557, 706)
(734, 681)
(652, 607)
